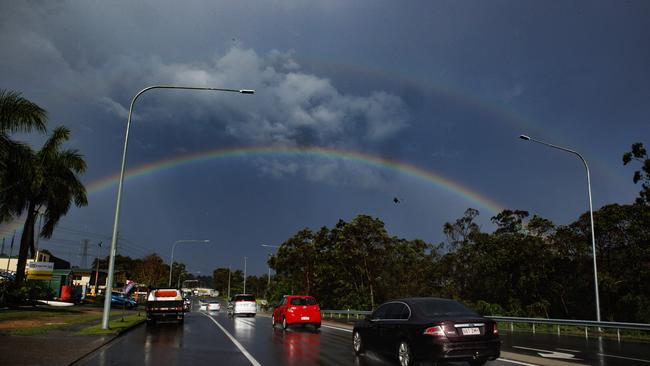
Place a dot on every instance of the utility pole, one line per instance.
(84, 253)
(99, 249)
(228, 282)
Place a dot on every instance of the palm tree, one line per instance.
(45, 181)
(17, 114)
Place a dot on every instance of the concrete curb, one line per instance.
(108, 341)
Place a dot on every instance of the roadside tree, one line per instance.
(45, 181)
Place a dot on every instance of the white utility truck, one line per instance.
(165, 304)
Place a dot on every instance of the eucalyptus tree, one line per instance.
(296, 259)
(44, 181)
(640, 154)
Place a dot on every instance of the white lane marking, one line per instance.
(568, 350)
(550, 354)
(241, 348)
(625, 358)
(516, 362)
(337, 328)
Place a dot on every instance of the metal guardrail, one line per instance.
(358, 314)
(578, 323)
(340, 314)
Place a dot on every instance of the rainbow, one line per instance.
(408, 169)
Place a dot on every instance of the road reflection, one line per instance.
(297, 346)
(161, 341)
(244, 328)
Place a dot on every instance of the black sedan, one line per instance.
(428, 329)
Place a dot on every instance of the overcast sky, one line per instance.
(444, 86)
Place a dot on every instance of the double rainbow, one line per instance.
(408, 169)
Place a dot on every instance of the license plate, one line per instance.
(304, 318)
(471, 331)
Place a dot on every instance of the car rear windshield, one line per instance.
(245, 298)
(439, 308)
(303, 301)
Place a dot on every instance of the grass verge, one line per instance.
(115, 326)
(36, 313)
(56, 323)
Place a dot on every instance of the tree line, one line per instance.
(528, 266)
(151, 270)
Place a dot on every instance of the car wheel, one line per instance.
(316, 325)
(478, 362)
(273, 321)
(404, 354)
(357, 343)
(285, 325)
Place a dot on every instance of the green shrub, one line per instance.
(13, 294)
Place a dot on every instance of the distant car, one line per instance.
(214, 306)
(187, 304)
(430, 329)
(203, 305)
(120, 300)
(7, 276)
(242, 304)
(295, 309)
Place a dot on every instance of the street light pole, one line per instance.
(171, 261)
(591, 212)
(245, 258)
(268, 281)
(113, 249)
(229, 282)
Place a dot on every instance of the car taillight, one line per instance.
(495, 329)
(437, 331)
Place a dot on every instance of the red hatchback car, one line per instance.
(296, 309)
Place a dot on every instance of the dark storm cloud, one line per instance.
(92, 54)
(444, 85)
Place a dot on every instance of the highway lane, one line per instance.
(216, 338)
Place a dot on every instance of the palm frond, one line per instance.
(18, 114)
(60, 135)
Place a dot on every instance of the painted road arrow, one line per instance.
(550, 354)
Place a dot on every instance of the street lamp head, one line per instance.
(247, 91)
(524, 137)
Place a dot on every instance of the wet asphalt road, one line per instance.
(208, 339)
(590, 351)
(200, 341)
